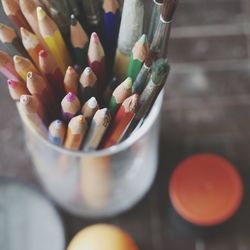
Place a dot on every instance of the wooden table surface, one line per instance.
(206, 109)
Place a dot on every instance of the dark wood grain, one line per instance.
(206, 109)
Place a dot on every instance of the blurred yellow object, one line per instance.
(102, 237)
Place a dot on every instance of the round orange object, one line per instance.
(206, 189)
(102, 237)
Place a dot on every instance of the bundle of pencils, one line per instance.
(85, 81)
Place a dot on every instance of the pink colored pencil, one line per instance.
(17, 89)
(96, 60)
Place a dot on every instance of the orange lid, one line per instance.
(205, 189)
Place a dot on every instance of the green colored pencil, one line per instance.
(138, 56)
(121, 92)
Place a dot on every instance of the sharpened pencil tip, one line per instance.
(87, 71)
(95, 38)
(127, 84)
(40, 13)
(92, 103)
(43, 53)
(29, 75)
(73, 20)
(17, 59)
(25, 99)
(70, 97)
(12, 83)
(143, 39)
(58, 124)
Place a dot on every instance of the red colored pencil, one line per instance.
(121, 121)
(38, 87)
(96, 59)
(52, 73)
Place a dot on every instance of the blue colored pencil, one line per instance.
(111, 25)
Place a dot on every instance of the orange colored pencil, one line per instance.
(53, 74)
(54, 40)
(14, 13)
(32, 44)
(76, 132)
(71, 81)
(96, 59)
(121, 121)
(23, 66)
(17, 89)
(7, 67)
(28, 8)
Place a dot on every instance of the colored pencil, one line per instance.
(92, 11)
(121, 92)
(59, 12)
(113, 83)
(122, 119)
(79, 42)
(32, 112)
(28, 8)
(9, 39)
(157, 80)
(141, 79)
(138, 56)
(38, 87)
(89, 109)
(99, 126)
(54, 40)
(87, 87)
(23, 66)
(17, 89)
(162, 33)
(96, 61)
(130, 31)
(111, 25)
(32, 45)
(57, 131)
(7, 67)
(14, 13)
(53, 74)
(70, 106)
(156, 12)
(71, 79)
(76, 132)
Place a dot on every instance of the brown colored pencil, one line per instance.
(121, 121)
(14, 13)
(89, 109)
(70, 106)
(87, 87)
(99, 126)
(71, 79)
(10, 40)
(96, 60)
(38, 87)
(53, 74)
(32, 44)
(76, 132)
(23, 66)
(54, 40)
(7, 67)
(17, 89)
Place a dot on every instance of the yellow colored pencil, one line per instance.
(53, 39)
